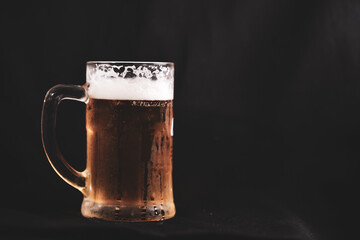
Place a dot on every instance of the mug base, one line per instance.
(149, 211)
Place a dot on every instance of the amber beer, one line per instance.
(129, 117)
(129, 154)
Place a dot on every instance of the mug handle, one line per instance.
(48, 132)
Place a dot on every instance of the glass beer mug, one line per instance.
(129, 121)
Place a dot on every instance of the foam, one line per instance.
(153, 82)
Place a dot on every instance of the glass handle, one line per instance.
(48, 132)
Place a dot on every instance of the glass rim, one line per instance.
(130, 62)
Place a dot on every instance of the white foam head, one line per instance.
(130, 81)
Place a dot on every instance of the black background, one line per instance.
(266, 130)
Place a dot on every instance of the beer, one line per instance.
(129, 153)
(129, 142)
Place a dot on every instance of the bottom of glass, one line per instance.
(149, 211)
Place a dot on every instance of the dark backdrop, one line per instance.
(267, 126)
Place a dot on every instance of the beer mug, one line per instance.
(129, 128)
